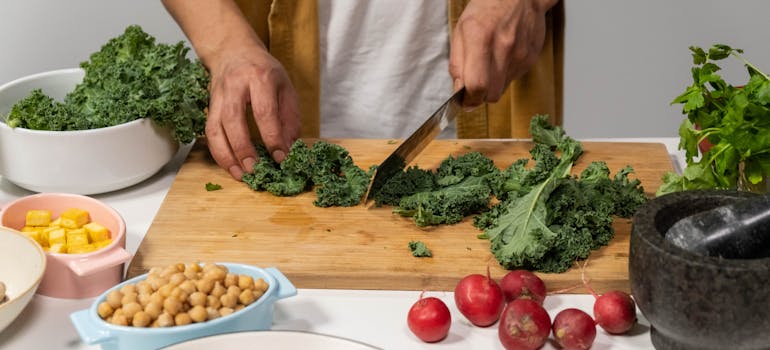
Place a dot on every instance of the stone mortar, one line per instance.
(695, 301)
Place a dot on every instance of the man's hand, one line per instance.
(243, 74)
(495, 42)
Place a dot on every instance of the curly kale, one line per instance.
(402, 184)
(131, 77)
(327, 167)
(419, 249)
(548, 219)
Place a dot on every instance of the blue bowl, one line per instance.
(254, 317)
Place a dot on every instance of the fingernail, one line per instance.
(279, 156)
(248, 164)
(236, 172)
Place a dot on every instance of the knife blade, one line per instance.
(416, 142)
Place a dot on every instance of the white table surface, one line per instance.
(373, 317)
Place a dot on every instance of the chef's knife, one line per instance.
(416, 142)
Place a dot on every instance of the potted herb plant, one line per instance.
(733, 120)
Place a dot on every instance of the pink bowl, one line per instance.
(75, 275)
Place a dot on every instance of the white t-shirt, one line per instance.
(384, 66)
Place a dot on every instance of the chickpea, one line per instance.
(188, 286)
(231, 279)
(179, 294)
(219, 290)
(234, 290)
(198, 298)
(213, 301)
(131, 309)
(239, 307)
(2, 292)
(129, 298)
(229, 300)
(257, 294)
(144, 299)
(245, 282)
(180, 267)
(119, 320)
(198, 313)
(204, 285)
(194, 267)
(165, 320)
(165, 290)
(246, 297)
(114, 299)
(177, 279)
(144, 287)
(141, 319)
(104, 310)
(128, 288)
(225, 311)
(158, 282)
(214, 275)
(172, 306)
(156, 298)
(212, 313)
(153, 310)
(182, 319)
(260, 284)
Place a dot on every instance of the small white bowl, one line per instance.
(81, 162)
(22, 263)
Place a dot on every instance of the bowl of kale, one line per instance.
(111, 123)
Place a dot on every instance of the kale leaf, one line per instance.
(325, 166)
(419, 249)
(131, 77)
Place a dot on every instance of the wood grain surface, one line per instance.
(364, 247)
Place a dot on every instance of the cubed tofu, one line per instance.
(74, 218)
(56, 222)
(58, 248)
(38, 218)
(77, 237)
(96, 232)
(57, 236)
(101, 244)
(80, 249)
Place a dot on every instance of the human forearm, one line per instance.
(213, 27)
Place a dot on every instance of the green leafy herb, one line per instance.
(734, 119)
(131, 77)
(212, 186)
(419, 249)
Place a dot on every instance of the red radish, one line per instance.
(480, 299)
(615, 312)
(574, 329)
(523, 284)
(429, 319)
(524, 325)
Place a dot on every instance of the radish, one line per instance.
(524, 325)
(480, 299)
(574, 329)
(615, 311)
(523, 284)
(429, 319)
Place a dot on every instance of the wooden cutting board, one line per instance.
(363, 247)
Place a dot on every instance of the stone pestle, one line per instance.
(739, 230)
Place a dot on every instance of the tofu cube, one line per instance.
(80, 249)
(38, 218)
(58, 248)
(32, 232)
(101, 244)
(77, 237)
(74, 218)
(56, 223)
(57, 236)
(96, 232)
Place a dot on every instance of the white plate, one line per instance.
(275, 340)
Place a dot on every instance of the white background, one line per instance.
(625, 60)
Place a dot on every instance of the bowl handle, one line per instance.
(90, 332)
(99, 263)
(285, 287)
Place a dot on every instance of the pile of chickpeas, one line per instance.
(181, 294)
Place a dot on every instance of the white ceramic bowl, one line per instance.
(22, 263)
(81, 162)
